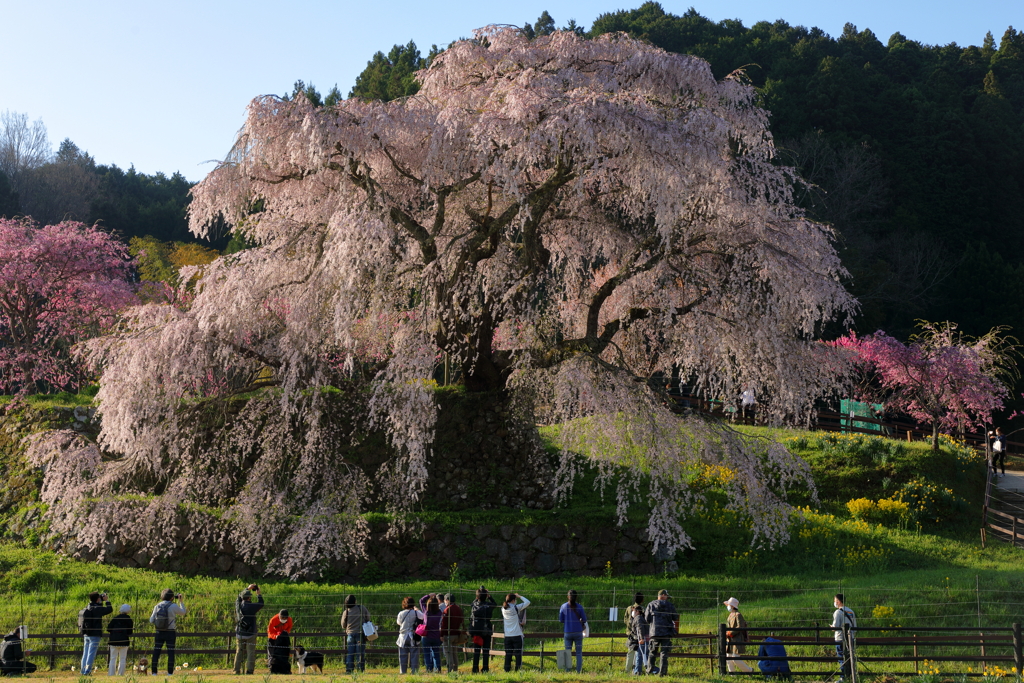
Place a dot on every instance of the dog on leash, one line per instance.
(306, 659)
(141, 666)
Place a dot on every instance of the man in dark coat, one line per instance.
(662, 619)
(245, 629)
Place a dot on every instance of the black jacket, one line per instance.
(480, 617)
(245, 616)
(660, 616)
(11, 649)
(94, 614)
(120, 629)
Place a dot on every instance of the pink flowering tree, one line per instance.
(58, 284)
(942, 377)
(559, 218)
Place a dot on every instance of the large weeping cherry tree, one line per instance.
(559, 218)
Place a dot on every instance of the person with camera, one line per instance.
(245, 628)
(165, 620)
(90, 625)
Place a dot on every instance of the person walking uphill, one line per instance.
(245, 628)
(574, 622)
(165, 620)
(511, 610)
(90, 624)
(481, 628)
(451, 632)
(661, 617)
(352, 620)
(120, 629)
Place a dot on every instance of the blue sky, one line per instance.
(164, 85)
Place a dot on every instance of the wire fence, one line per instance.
(206, 633)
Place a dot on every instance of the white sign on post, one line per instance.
(613, 614)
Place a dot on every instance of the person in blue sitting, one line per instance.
(773, 668)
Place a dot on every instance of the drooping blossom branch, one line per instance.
(559, 218)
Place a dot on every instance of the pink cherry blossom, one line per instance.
(559, 218)
(58, 284)
(941, 377)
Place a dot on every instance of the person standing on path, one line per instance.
(574, 621)
(998, 451)
(451, 632)
(245, 628)
(165, 620)
(481, 628)
(662, 617)
(843, 616)
(120, 629)
(90, 622)
(510, 612)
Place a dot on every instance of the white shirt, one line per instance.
(511, 616)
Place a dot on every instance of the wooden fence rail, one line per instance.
(893, 645)
(1005, 526)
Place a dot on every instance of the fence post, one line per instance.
(542, 655)
(711, 652)
(1018, 659)
(722, 669)
(227, 658)
(53, 651)
(848, 651)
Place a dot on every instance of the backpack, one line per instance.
(81, 620)
(162, 617)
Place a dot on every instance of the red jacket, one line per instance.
(451, 622)
(276, 626)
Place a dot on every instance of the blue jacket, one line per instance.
(661, 615)
(572, 621)
(772, 647)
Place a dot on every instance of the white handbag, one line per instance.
(586, 630)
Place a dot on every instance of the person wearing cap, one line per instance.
(120, 629)
(481, 628)
(451, 632)
(736, 628)
(279, 644)
(662, 619)
(245, 628)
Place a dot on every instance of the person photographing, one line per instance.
(245, 628)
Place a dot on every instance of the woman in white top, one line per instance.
(511, 610)
(408, 647)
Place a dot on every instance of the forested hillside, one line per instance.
(915, 152)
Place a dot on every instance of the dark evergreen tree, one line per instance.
(388, 77)
(545, 24)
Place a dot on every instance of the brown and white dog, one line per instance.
(142, 666)
(306, 659)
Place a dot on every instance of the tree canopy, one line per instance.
(558, 217)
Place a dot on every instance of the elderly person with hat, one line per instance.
(245, 628)
(663, 623)
(736, 631)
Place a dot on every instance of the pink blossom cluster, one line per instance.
(941, 377)
(58, 284)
